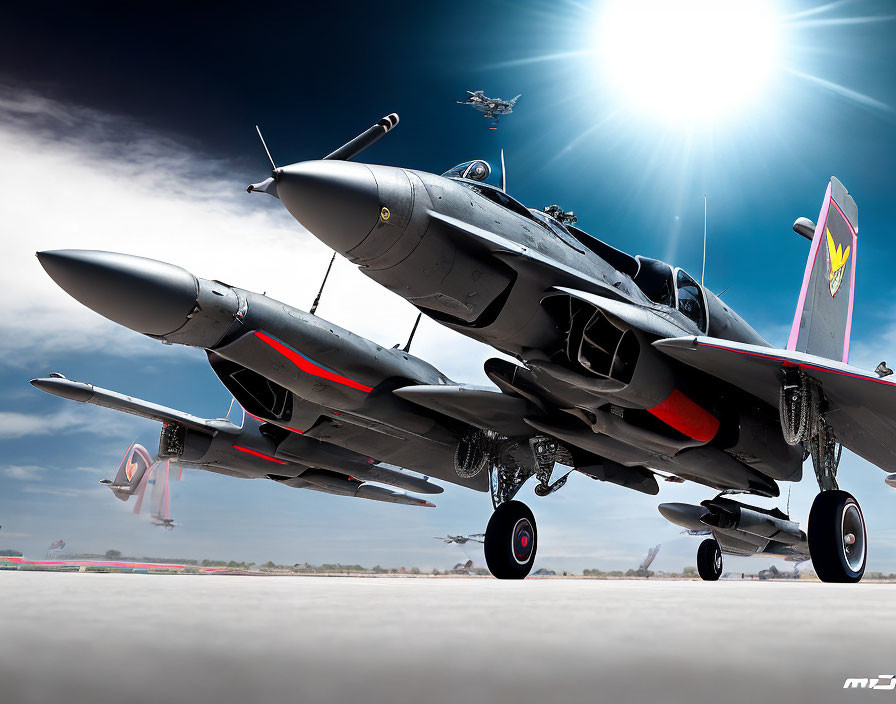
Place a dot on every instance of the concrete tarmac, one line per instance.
(71, 638)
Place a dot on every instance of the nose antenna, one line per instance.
(266, 150)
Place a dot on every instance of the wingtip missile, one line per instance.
(64, 388)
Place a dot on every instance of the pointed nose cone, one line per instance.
(684, 515)
(145, 295)
(337, 201)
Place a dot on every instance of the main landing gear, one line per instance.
(511, 538)
(837, 536)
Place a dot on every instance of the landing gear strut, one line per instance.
(511, 537)
(836, 530)
(709, 560)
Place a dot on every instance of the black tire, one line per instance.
(709, 560)
(511, 539)
(834, 516)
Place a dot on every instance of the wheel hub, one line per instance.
(852, 536)
(521, 540)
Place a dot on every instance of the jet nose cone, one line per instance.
(145, 295)
(337, 201)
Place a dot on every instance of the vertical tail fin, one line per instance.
(130, 472)
(823, 316)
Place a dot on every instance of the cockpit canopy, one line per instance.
(672, 287)
(476, 170)
(657, 280)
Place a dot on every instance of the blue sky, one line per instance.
(122, 130)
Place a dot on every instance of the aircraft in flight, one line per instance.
(491, 108)
(462, 539)
(627, 369)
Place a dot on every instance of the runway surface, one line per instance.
(99, 638)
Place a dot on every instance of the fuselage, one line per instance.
(580, 314)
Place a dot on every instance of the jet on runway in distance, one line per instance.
(491, 108)
(462, 539)
(644, 568)
(627, 368)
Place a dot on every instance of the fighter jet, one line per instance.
(462, 539)
(627, 367)
(774, 573)
(251, 450)
(737, 529)
(491, 108)
(644, 568)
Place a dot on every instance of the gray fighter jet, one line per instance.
(254, 449)
(737, 529)
(627, 367)
(491, 108)
(462, 539)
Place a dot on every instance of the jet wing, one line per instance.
(476, 405)
(862, 406)
(88, 393)
(334, 483)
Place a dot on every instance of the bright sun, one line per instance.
(688, 60)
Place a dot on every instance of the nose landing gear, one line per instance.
(511, 538)
(709, 560)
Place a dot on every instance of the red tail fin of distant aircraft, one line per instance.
(823, 316)
(130, 473)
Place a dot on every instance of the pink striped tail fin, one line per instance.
(823, 318)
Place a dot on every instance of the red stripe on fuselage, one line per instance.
(309, 367)
(686, 417)
(256, 453)
(262, 420)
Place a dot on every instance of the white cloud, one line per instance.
(77, 178)
(24, 473)
(68, 492)
(69, 419)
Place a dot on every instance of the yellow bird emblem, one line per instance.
(837, 259)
